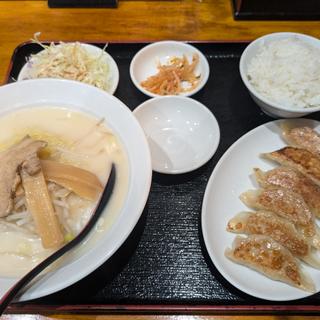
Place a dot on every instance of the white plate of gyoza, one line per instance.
(261, 211)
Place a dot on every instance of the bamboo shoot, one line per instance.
(80, 181)
(40, 205)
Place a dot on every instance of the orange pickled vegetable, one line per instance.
(176, 77)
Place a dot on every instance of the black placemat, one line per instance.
(165, 261)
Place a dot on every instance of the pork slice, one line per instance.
(10, 161)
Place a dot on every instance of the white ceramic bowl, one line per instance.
(95, 52)
(182, 133)
(144, 63)
(95, 102)
(269, 107)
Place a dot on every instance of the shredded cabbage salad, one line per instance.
(70, 61)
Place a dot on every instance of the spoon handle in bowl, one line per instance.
(12, 292)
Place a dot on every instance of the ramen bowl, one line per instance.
(133, 174)
(182, 133)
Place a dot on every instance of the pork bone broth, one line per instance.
(73, 138)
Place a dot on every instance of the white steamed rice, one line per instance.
(287, 72)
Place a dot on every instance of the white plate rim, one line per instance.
(215, 258)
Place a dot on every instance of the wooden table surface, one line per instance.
(202, 20)
(132, 20)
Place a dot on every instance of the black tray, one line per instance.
(164, 266)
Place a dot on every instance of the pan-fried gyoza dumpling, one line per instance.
(279, 229)
(286, 204)
(288, 178)
(303, 137)
(300, 159)
(270, 258)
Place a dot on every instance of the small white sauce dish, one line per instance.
(113, 76)
(274, 109)
(144, 63)
(182, 133)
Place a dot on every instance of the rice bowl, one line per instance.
(270, 87)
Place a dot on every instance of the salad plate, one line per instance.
(232, 176)
(74, 61)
